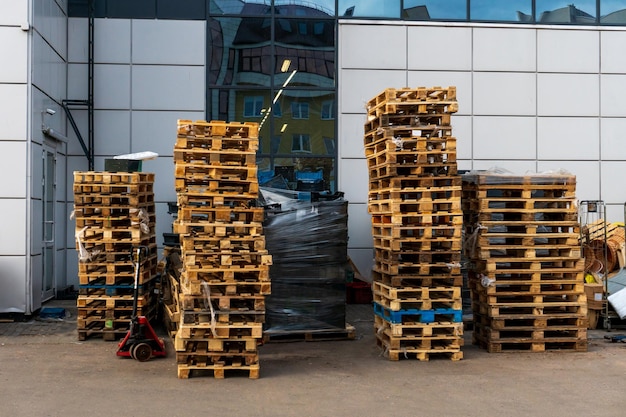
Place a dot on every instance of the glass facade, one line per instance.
(274, 64)
(274, 61)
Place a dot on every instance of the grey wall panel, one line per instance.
(112, 87)
(113, 132)
(158, 87)
(156, 130)
(77, 45)
(462, 131)
(351, 136)
(164, 189)
(112, 41)
(168, 42)
(353, 180)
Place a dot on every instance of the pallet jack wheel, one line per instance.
(142, 352)
(131, 351)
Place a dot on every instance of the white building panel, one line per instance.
(612, 188)
(462, 131)
(13, 13)
(158, 87)
(496, 137)
(164, 188)
(613, 92)
(352, 129)
(612, 58)
(13, 170)
(357, 87)
(439, 48)
(515, 167)
(613, 138)
(358, 221)
(354, 181)
(373, 46)
(568, 95)
(504, 94)
(13, 55)
(574, 138)
(13, 226)
(170, 42)
(461, 80)
(568, 51)
(504, 49)
(14, 110)
(587, 176)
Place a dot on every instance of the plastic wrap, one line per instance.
(308, 241)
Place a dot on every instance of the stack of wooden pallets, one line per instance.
(526, 270)
(225, 266)
(114, 213)
(415, 203)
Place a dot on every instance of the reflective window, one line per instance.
(435, 9)
(328, 112)
(613, 13)
(252, 106)
(369, 8)
(305, 8)
(300, 142)
(563, 11)
(501, 11)
(239, 7)
(300, 110)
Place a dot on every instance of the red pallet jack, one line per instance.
(141, 342)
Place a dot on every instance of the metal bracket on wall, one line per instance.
(87, 148)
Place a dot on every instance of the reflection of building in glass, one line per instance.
(617, 17)
(567, 14)
(277, 67)
(416, 13)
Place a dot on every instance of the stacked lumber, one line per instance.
(415, 204)
(526, 273)
(114, 213)
(225, 265)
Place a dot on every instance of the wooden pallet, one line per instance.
(220, 330)
(218, 371)
(439, 121)
(417, 329)
(218, 229)
(193, 214)
(223, 157)
(101, 177)
(219, 128)
(410, 244)
(531, 321)
(417, 280)
(497, 346)
(202, 195)
(422, 355)
(204, 243)
(390, 170)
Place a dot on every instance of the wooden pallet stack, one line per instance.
(526, 270)
(114, 214)
(415, 204)
(225, 265)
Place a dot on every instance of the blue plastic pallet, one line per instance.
(423, 316)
